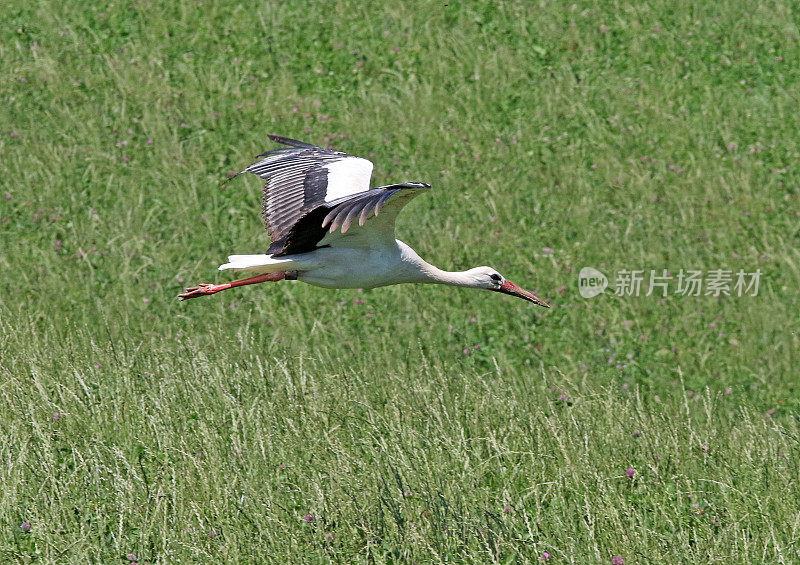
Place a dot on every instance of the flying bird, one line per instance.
(328, 228)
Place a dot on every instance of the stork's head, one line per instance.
(490, 279)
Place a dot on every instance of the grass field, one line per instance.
(283, 422)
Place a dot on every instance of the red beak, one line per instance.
(510, 288)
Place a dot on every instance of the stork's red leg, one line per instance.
(207, 289)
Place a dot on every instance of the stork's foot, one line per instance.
(205, 289)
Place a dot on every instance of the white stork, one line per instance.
(312, 199)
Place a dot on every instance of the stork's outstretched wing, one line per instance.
(311, 192)
(376, 210)
(302, 178)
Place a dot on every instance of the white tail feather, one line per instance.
(256, 263)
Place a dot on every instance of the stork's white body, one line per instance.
(313, 192)
(351, 267)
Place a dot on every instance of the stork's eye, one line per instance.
(495, 277)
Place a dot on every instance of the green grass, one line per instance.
(449, 425)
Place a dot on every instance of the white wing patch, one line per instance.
(347, 176)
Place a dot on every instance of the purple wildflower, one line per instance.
(617, 561)
(25, 526)
(630, 472)
(545, 556)
(309, 518)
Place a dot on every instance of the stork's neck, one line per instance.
(421, 271)
(453, 278)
